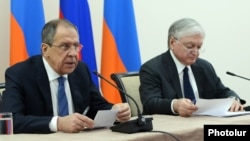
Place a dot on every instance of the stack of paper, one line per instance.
(216, 107)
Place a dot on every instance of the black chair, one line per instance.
(129, 83)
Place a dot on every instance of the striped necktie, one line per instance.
(188, 90)
(62, 99)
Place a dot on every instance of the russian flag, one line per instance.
(77, 12)
(120, 47)
(26, 22)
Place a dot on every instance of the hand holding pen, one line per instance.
(85, 113)
(75, 122)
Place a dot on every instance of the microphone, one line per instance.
(230, 73)
(141, 124)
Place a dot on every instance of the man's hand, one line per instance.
(124, 112)
(236, 106)
(74, 123)
(184, 107)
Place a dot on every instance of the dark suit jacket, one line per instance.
(28, 95)
(160, 83)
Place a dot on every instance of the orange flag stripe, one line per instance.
(18, 50)
(111, 62)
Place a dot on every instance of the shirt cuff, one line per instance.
(172, 106)
(237, 99)
(53, 124)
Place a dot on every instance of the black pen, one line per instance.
(86, 110)
(194, 101)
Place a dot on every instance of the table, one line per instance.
(184, 128)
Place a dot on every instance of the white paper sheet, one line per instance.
(216, 107)
(105, 118)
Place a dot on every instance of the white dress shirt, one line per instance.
(52, 75)
(180, 68)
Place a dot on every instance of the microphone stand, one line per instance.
(140, 124)
(230, 73)
(247, 108)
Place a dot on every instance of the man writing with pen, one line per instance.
(54, 91)
(172, 81)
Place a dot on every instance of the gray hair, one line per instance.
(185, 27)
(49, 29)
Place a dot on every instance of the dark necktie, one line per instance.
(62, 99)
(188, 90)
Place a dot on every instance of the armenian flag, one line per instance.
(120, 47)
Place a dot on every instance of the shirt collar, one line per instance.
(52, 75)
(178, 64)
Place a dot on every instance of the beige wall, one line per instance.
(226, 23)
(4, 37)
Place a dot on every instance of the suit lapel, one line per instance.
(77, 97)
(43, 83)
(199, 78)
(172, 73)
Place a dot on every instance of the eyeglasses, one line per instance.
(66, 46)
(190, 49)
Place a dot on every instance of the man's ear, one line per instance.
(172, 41)
(44, 48)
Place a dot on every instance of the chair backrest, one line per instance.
(2, 88)
(129, 83)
